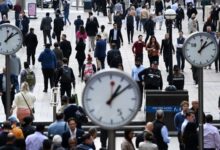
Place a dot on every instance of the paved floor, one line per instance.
(42, 106)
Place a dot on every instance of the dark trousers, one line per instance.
(167, 62)
(179, 24)
(140, 56)
(217, 63)
(103, 137)
(203, 12)
(4, 99)
(65, 88)
(58, 33)
(102, 60)
(153, 58)
(130, 33)
(143, 21)
(46, 34)
(195, 73)
(141, 91)
(80, 64)
(29, 57)
(137, 18)
(48, 75)
(181, 144)
(180, 59)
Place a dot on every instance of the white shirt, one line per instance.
(189, 1)
(115, 34)
(211, 136)
(185, 122)
(35, 141)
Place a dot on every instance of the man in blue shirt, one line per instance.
(100, 51)
(178, 120)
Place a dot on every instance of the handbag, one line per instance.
(31, 110)
(74, 96)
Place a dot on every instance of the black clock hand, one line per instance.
(113, 95)
(10, 36)
(202, 47)
(208, 44)
(123, 90)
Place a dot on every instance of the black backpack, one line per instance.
(66, 75)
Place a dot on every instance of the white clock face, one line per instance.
(200, 49)
(11, 39)
(111, 99)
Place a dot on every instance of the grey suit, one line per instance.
(46, 28)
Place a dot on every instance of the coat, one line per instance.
(66, 135)
(66, 48)
(46, 23)
(125, 145)
(31, 42)
(80, 48)
(91, 28)
(47, 59)
(119, 37)
(58, 24)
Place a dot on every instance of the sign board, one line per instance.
(153, 109)
(32, 9)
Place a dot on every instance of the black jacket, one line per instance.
(46, 23)
(165, 48)
(66, 135)
(58, 24)
(149, 26)
(66, 48)
(180, 14)
(31, 42)
(91, 28)
(158, 7)
(191, 11)
(119, 37)
(80, 48)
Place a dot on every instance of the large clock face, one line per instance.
(111, 99)
(11, 39)
(200, 49)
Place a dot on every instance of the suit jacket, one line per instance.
(66, 135)
(119, 37)
(46, 23)
(165, 48)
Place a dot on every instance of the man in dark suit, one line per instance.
(115, 36)
(14, 83)
(73, 132)
(58, 27)
(46, 28)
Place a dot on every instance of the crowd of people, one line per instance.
(66, 132)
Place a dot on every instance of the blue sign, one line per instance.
(153, 109)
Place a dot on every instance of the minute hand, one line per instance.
(125, 88)
(208, 44)
(10, 36)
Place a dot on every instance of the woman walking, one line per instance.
(80, 54)
(153, 49)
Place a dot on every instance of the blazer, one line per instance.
(119, 37)
(66, 135)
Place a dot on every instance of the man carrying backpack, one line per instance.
(29, 76)
(66, 77)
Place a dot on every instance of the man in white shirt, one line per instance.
(211, 135)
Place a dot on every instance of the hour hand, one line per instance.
(202, 47)
(113, 95)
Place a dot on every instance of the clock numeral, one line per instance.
(131, 110)
(193, 44)
(122, 118)
(212, 56)
(122, 79)
(206, 61)
(88, 99)
(92, 110)
(99, 80)
(214, 49)
(134, 99)
(119, 112)
(91, 88)
(100, 118)
(110, 76)
(111, 121)
(0, 43)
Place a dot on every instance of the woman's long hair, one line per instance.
(157, 46)
(25, 87)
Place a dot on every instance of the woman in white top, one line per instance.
(24, 102)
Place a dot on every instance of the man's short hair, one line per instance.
(189, 112)
(184, 103)
(71, 119)
(47, 14)
(209, 118)
(159, 114)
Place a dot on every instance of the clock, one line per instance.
(200, 49)
(11, 39)
(111, 99)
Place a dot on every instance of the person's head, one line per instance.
(115, 25)
(102, 28)
(12, 120)
(93, 132)
(195, 105)
(72, 142)
(193, 16)
(208, 118)
(72, 123)
(89, 58)
(184, 106)
(47, 144)
(90, 13)
(149, 126)
(154, 65)
(176, 69)
(190, 116)
(159, 114)
(57, 140)
(167, 36)
(113, 45)
(128, 134)
(63, 36)
(56, 45)
(153, 39)
(208, 29)
(78, 17)
(179, 5)
(65, 60)
(138, 62)
(26, 65)
(6, 125)
(32, 30)
(140, 37)
(28, 120)
(87, 139)
(59, 116)
(65, 99)
(57, 15)
(47, 14)
(47, 46)
(82, 29)
(40, 128)
(25, 87)
(181, 33)
(98, 37)
(148, 136)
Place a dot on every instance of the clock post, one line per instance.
(8, 86)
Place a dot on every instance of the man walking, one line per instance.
(115, 36)
(66, 47)
(48, 63)
(137, 48)
(179, 55)
(46, 28)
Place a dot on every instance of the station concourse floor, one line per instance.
(44, 110)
